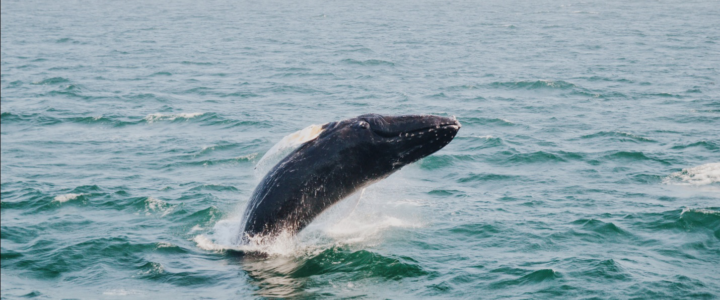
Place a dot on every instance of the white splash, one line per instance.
(203, 242)
(154, 204)
(284, 147)
(195, 228)
(701, 211)
(66, 197)
(701, 175)
(121, 292)
(486, 137)
(164, 245)
(170, 117)
(363, 219)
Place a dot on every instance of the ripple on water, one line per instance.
(52, 81)
(534, 85)
(368, 63)
(359, 264)
(607, 269)
(529, 279)
(618, 136)
(708, 145)
(688, 220)
(633, 156)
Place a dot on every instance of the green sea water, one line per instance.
(587, 167)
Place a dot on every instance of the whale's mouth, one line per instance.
(421, 126)
(420, 131)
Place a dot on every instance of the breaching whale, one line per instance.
(344, 157)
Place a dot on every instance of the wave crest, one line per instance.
(170, 117)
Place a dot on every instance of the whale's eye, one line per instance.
(363, 125)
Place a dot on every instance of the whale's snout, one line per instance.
(398, 126)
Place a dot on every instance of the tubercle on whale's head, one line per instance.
(386, 143)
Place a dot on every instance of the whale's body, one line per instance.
(344, 157)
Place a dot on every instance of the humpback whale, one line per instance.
(344, 157)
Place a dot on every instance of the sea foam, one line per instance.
(170, 117)
(66, 197)
(701, 175)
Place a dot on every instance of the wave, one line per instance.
(35, 200)
(39, 119)
(368, 63)
(85, 256)
(67, 40)
(107, 120)
(488, 121)
(535, 85)
(53, 80)
(536, 157)
(528, 278)
(600, 95)
(511, 156)
(559, 85)
(701, 211)
(67, 197)
(154, 205)
(489, 177)
(607, 269)
(212, 162)
(707, 174)
(434, 162)
(215, 187)
(161, 74)
(663, 95)
(607, 229)
(634, 156)
(151, 118)
(686, 220)
(360, 220)
(197, 63)
(281, 277)
(122, 292)
(202, 119)
(618, 136)
(240, 95)
(303, 74)
(608, 79)
(701, 144)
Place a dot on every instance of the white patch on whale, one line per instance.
(284, 147)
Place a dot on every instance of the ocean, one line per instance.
(587, 167)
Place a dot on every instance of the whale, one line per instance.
(344, 157)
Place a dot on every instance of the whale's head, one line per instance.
(382, 144)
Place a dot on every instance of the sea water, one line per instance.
(133, 134)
